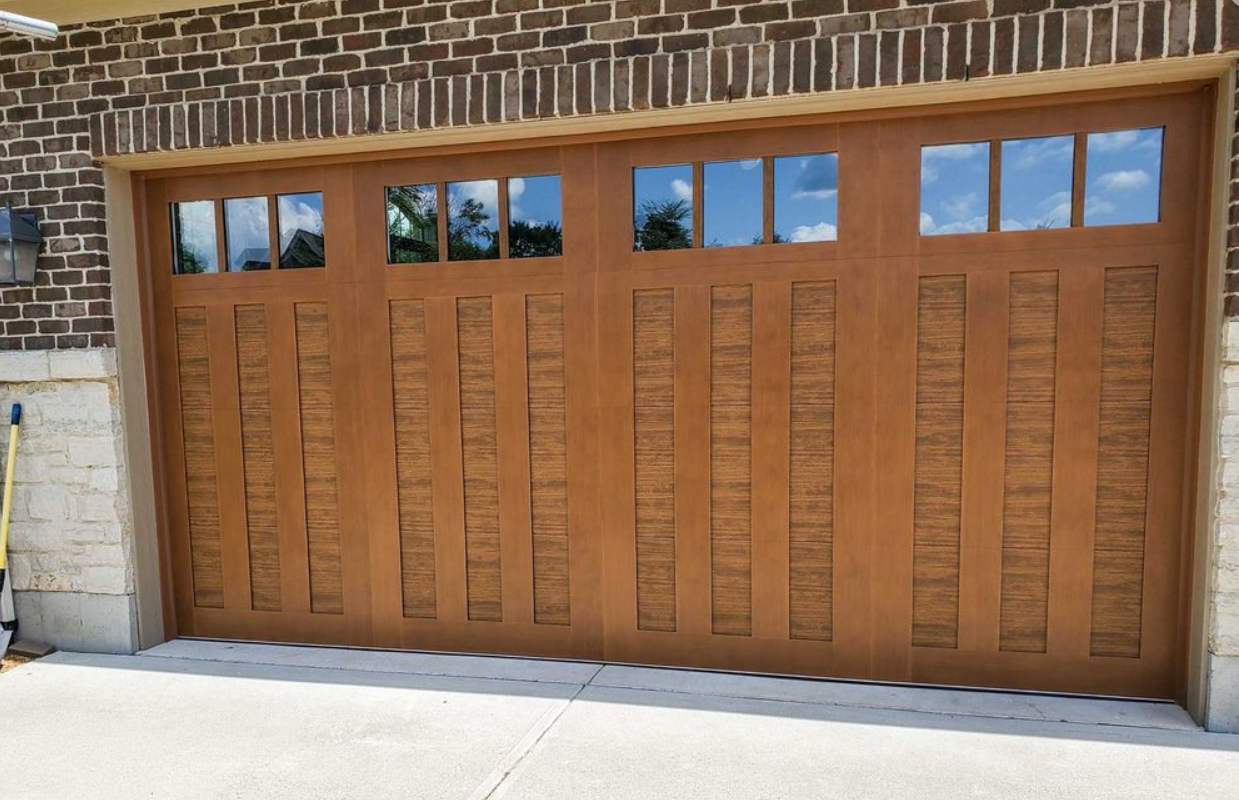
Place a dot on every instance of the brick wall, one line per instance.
(267, 71)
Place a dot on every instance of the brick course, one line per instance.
(295, 69)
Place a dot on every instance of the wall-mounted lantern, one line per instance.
(19, 246)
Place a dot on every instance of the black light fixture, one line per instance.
(19, 246)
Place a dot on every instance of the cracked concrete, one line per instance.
(213, 720)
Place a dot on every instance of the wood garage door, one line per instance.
(875, 453)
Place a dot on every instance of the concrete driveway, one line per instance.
(215, 720)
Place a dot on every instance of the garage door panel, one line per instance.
(956, 459)
(198, 431)
(812, 462)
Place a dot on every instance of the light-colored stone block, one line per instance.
(93, 364)
(91, 623)
(25, 366)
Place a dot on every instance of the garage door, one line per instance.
(901, 397)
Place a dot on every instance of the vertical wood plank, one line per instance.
(771, 459)
(892, 542)
(985, 395)
(193, 362)
(1028, 474)
(692, 458)
(483, 564)
(812, 462)
(1077, 396)
(253, 376)
(548, 493)
(410, 391)
(654, 427)
(512, 427)
(289, 472)
(731, 440)
(938, 511)
(447, 482)
(319, 455)
(229, 467)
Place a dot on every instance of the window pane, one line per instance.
(806, 198)
(1123, 177)
(733, 202)
(954, 188)
(472, 220)
(248, 233)
(662, 207)
(193, 237)
(301, 230)
(412, 224)
(1036, 183)
(535, 217)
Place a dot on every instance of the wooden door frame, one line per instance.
(139, 378)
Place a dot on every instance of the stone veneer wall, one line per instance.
(72, 538)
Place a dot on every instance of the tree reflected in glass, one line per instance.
(412, 224)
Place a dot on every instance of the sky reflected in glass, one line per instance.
(248, 232)
(733, 202)
(535, 217)
(195, 249)
(662, 207)
(806, 198)
(954, 188)
(1123, 177)
(1036, 183)
(301, 230)
(472, 220)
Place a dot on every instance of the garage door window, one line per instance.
(301, 230)
(662, 207)
(954, 188)
(1036, 183)
(412, 224)
(732, 191)
(247, 232)
(535, 217)
(1123, 183)
(194, 246)
(1041, 183)
(806, 198)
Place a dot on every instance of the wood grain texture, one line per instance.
(479, 449)
(548, 458)
(941, 310)
(731, 335)
(258, 449)
(197, 424)
(415, 498)
(1123, 460)
(318, 447)
(1032, 347)
(811, 560)
(653, 313)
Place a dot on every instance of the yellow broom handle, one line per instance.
(8, 486)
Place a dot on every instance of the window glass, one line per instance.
(301, 230)
(662, 207)
(412, 224)
(535, 217)
(954, 188)
(1123, 177)
(732, 196)
(1036, 183)
(472, 220)
(194, 247)
(806, 198)
(248, 234)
